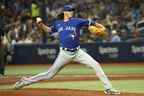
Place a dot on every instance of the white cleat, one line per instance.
(21, 83)
(111, 92)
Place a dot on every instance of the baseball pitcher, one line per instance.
(69, 34)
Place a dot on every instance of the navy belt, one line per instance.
(70, 49)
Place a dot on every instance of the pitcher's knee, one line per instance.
(95, 64)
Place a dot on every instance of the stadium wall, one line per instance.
(102, 52)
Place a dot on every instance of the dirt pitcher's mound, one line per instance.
(58, 92)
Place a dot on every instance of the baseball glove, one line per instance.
(98, 30)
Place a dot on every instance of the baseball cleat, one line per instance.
(21, 83)
(111, 92)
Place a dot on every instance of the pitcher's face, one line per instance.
(68, 14)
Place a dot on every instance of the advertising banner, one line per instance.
(103, 52)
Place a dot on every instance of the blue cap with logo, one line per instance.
(68, 8)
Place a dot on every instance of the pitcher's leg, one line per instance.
(84, 58)
(61, 60)
(58, 64)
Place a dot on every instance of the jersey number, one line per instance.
(73, 35)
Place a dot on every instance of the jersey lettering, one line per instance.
(66, 28)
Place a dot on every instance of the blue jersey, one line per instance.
(69, 31)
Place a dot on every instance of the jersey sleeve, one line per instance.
(53, 29)
(84, 22)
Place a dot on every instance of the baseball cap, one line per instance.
(68, 8)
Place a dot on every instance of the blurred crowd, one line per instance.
(123, 19)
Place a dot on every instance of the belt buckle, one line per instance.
(71, 50)
(74, 49)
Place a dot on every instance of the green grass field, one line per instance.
(74, 69)
(131, 86)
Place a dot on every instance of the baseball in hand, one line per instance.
(38, 20)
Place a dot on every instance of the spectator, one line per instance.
(115, 37)
(124, 35)
(35, 9)
(136, 36)
(28, 40)
(114, 14)
(2, 56)
(140, 24)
